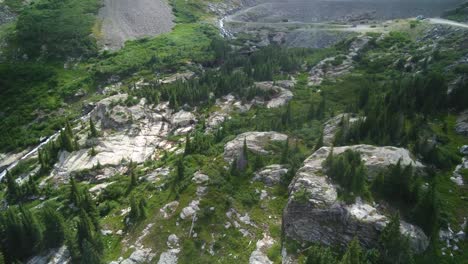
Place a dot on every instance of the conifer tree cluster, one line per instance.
(26, 232)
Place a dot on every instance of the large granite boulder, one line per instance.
(322, 218)
(256, 142)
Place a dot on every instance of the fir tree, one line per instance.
(74, 196)
(319, 142)
(13, 189)
(393, 246)
(354, 254)
(92, 129)
(89, 255)
(188, 148)
(54, 227)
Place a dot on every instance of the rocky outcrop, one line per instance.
(138, 256)
(332, 126)
(457, 176)
(183, 119)
(321, 217)
(132, 133)
(54, 256)
(334, 67)
(279, 92)
(259, 256)
(256, 142)
(461, 126)
(271, 175)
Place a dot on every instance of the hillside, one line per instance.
(232, 132)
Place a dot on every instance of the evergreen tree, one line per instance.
(180, 171)
(393, 246)
(67, 139)
(133, 179)
(258, 162)
(74, 196)
(188, 148)
(13, 189)
(89, 254)
(135, 213)
(32, 240)
(319, 142)
(92, 129)
(54, 227)
(354, 254)
(320, 113)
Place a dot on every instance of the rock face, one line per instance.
(462, 123)
(325, 219)
(132, 133)
(332, 126)
(271, 175)
(256, 142)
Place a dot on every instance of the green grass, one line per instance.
(187, 43)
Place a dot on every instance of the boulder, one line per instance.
(190, 210)
(271, 175)
(169, 209)
(464, 150)
(461, 127)
(325, 219)
(139, 256)
(183, 119)
(259, 255)
(457, 175)
(169, 257)
(200, 178)
(173, 241)
(256, 142)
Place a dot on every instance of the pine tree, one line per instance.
(92, 129)
(89, 255)
(74, 196)
(13, 189)
(320, 113)
(133, 179)
(135, 213)
(54, 227)
(180, 170)
(319, 142)
(188, 148)
(32, 232)
(354, 254)
(393, 246)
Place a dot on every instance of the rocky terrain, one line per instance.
(323, 218)
(168, 163)
(124, 20)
